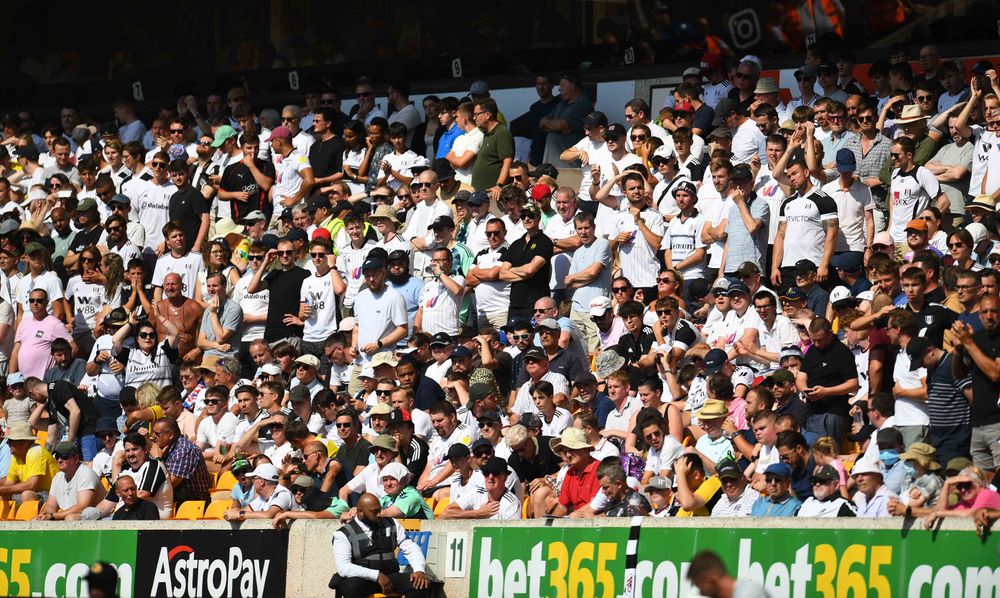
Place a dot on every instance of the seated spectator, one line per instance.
(779, 501)
(738, 497)
(132, 507)
(658, 491)
(714, 445)
(384, 451)
(622, 500)
(243, 492)
(872, 497)
(150, 475)
(697, 493)
(107, 432)
(73, 489)
(580, 484)
(185, 465)
(494, 501)
(32, 467)
(925, 487)
(401, 501)
(271, 497)
(826, 500)
(216, 432)
(972, 492)
(663, 451)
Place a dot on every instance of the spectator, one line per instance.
(185, 465)
(74, 489)
(872, 497)
(271, 497)
(133, 508)
(779, 501)
(32, 466)
(738, 497)
(826, 500)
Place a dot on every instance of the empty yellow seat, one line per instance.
(191, 510)
(216, 509)
(27, 511)
(226, 481)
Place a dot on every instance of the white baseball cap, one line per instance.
(266, 472)
(599, 305)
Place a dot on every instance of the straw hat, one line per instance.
(911, 114)
(572, 439)
(712, 409)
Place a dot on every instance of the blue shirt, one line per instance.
(765, 507)
(242, 497)
(602, 407)
(447, 139)
(5, 458)
(411, 293)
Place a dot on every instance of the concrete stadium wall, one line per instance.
(310, 563)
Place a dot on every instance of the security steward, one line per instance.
(364, 551)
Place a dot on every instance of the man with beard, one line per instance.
(826, 500)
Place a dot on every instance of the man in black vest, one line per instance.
(364, 551)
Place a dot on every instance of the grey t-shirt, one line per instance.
(231, 317)
(584, 257)
(952, 155)
(744, 247)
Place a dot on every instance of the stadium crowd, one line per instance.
(743, 306)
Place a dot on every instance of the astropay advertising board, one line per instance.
(245, 563)
(578, 562)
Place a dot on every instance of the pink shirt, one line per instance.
(985, 498)
(36, 336)
(738, 412)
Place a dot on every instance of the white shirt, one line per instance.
(748, 142)
(252, 304)
(851, 207)
(909, 412)
(636, 256)
(910, 193)
(556, 228)
(317, 293)
(439, 306)
(510, 507)
(211, 433)
(342, 554)
(288, 176)
(658, 460)
(187, 266)
(683, 238)
(281, 498)
(151, 208)
(422, 215)
(492, 296)
(401, 163)
(523, 402)
(596, 152)
(382, 313)
(619, 420)
(470, 141)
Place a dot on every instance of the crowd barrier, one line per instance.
(557, 558)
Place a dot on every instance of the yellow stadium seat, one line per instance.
(190, 510)
(526, 512)
(430, 502)
(226, 481)
(7, 509)
(441, 506)
(411, 525)
(27, 511)
(216, 509)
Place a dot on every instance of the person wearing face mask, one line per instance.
(896, 474)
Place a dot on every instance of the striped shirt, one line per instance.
(510, 507)
(946, 403)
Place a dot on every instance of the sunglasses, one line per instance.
(956, 245)
(620, 289)
(380, 197)
(866, 119)
(177, 131)
(895, 155)
(383, 393)
(146, 335)
(494, 233)
(364, 94)
(347, 425)
(610, 138)
(157, 164)
(286, 252)
(520, 337)
(112, 229)
(773, 480)
(486, 425)
(255, 258)
(664, 312)
(835, 117)
(482, 454)
(104, 435)
(924, 98)
(38, 301)
(16, 385)
(639, 138)
(665, 280)
(288, 119)
(212, 401)
(963, 486)
(317, 254)
(518, 177)
(421, 185)
(61, 456)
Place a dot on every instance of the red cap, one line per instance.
(540, 191)
(321, 233)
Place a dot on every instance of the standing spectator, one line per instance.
(913, 188)
(589, 276)
(527, 266)
(178, 259)
(293, 174)
(807, 227)
(982, 348)
(441, 297)
(383, 322)
(496, 153)
(285, 286)
(748, 217)
(952, 165)
(245, 184)
(640, 231)
(32, 352)
(187, 206)
(65, 407)
(827, 379)
(856, 223)
(492, 294)
(222, 320)
(564, 122)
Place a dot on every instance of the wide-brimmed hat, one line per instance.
(766, 85)
(226, 226)
(984, 201)
(911, 113)
(384, 211)
(20, 431)
(922, 453)
(608, 362)
(572, 439)
(712, 409)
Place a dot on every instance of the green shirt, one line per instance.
(498, 145)
(410, 503)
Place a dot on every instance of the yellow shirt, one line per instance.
(707, 491)
(38, 462)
